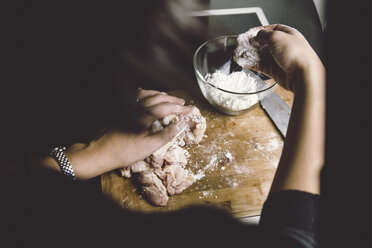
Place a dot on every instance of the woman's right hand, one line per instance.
(287, 55)
(289, 59)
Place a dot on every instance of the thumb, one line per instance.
(161, 138)
(264, 36)
(171, 131)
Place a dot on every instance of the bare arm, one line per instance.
(295, 66)
(118, 149)
(303, 152)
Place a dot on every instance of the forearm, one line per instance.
(303, 152)
(84, 159)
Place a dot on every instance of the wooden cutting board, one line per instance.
(239, 186)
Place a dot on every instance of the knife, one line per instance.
(278, 111)
(273, 104)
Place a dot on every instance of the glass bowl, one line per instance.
(214, 59)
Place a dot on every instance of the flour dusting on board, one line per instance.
(219, 159)
(267, 149)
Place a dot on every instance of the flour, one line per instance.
(231, 182)
(199, 175)
(228, 156)
(238, 82)
(273, 145)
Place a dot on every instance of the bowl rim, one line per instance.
(198, 74)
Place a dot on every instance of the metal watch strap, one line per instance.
(59, 156)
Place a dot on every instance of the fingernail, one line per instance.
(254, 42)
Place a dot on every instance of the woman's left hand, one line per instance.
(117, 148)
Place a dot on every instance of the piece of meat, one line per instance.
(249, 53)
(137, 167)
(156, 126)
(162, 172)
(195, 121)
(177, 179)
(196, 126)
(125, 172)
(152, 188)
(140, 166)
(157, 161)
(168, 119)
(175, 155)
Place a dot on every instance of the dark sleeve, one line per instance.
(57, 209)
(294, 214)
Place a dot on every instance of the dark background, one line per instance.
(57, 54)
(64, 75)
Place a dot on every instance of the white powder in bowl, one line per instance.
(239, 82)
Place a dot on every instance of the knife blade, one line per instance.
(278, 111)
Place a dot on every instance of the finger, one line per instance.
(164, 109)
(142, 94)
(156, 141)
(159, 98)
(265, 36)
(286, 29)
(281, 27)
(273, 32)
(160, 111)
(170, 132)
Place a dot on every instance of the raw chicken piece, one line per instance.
(134, 168)
(153, 188)
(176, 179)
(197, 125)
(156, 126)
(175, 155)
(168, 119)
(125, 172)
(249, 53)
(156, 161)
(157, 158)
(162, 173)
(195, 121)
(140, 166)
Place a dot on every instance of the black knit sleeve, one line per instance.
(293, 213)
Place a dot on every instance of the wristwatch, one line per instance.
(64, 164)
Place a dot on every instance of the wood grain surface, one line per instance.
(239, 186)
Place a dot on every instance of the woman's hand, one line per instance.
(117, 148)
(286, 55)
(290, 61)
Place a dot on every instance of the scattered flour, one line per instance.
(239, 82)
(231, 182)
(273, 145)
(219, 159)
(199, 175)
(228, 156)
(241, 169)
